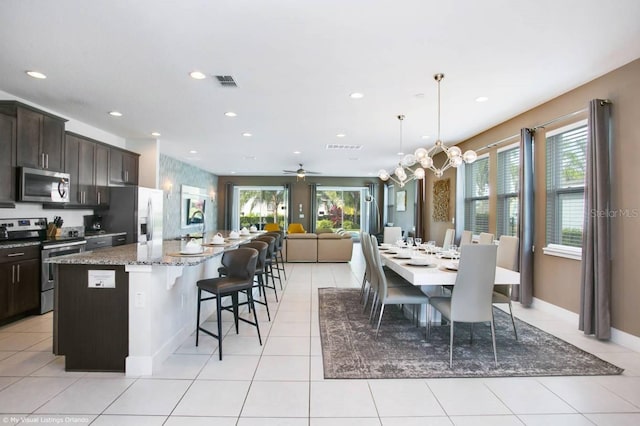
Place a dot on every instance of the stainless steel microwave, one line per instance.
(43, 186)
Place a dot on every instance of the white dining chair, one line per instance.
(466, 238)
(388, 295)
(471, 298)
(485, 238)
(507, 257)
(448, 239)
(366, 278)
(392, 234)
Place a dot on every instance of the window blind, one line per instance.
(476, 202)
(508, 187)
(565, 174)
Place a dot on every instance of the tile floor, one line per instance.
(281, 382)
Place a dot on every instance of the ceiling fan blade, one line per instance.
(289, 171)
(312, 173)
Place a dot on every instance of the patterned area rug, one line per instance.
(350, 350)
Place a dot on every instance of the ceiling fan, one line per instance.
(300, 173)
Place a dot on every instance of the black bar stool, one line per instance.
(271, 240)
(241, 268)
(279, 259)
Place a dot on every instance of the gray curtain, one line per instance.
(372, 208)
(595, 286)
(524, 292)
(313, 207)
(287, 191)
(228, 205)
(420, 204)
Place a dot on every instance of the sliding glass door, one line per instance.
(258, 205)
(341, 207)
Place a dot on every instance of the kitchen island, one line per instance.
(126, 308)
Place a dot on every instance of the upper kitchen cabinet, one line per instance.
(123, 167)
(39, 136)
(7, 161)
(87, 162)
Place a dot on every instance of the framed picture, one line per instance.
(401, 201)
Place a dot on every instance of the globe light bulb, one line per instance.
(469, 156)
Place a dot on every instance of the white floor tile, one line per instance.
(180, 366)
(284, 368)
(56, 368)
(150, 397)
(620, 419)
(270, 421)
(6, 381)
(277, 345)
(342, 398)
(241, 345)
(44, 346)
(86, 396)
(486, 421)
(232, 367)
(527, 396)
(200, 421)
(586, 395)
(111, 420)
(21, 341)
(555, 420)
(12, 418)
(206, 345)
(317, 368)
(416, 421)
(345, 421)
(26, 395)
(277, 399)
(293, 329)
(24, 363)
(213, 398)
(466, 397)
(623, 386)
(293, 316)
(404, 398)
(6, 354)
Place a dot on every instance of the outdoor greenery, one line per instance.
(572, 237)
(262, 206)
(338, 209)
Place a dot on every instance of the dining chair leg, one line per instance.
(513, 322)
(428, 322)
(451, 345)
(493, 338)
(255, 315)
(234, 302)
(379, 320)
(264, 291)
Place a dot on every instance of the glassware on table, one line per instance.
(410, 242)
(418, 241)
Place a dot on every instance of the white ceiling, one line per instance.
(297, 61)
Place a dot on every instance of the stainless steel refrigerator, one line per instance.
(136, 211)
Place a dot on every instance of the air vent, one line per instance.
(226, 81)
(343, 147)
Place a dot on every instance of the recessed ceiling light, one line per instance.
(356, 95)
(297, 152)
(36, 74)
(425, 136)
(233, 173)
(193, 151)
(399, 153)
(230, 114)
(482, 99)
(247, 134)
(156, 134)
(115, 113)
(419, 95)
(340, 135)
(197, 75)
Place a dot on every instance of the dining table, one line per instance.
(438, 271)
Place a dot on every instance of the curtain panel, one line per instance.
(524, 292)
(229, 190)
(595, 286)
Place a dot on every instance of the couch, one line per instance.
(323, 246)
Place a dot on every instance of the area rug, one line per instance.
(350, 350)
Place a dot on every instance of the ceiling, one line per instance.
(296, 62)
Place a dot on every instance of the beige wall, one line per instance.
(557, 280)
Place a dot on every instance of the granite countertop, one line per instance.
(166, 253)
(9, 245)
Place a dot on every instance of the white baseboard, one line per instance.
(619, 337)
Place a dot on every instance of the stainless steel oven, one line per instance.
(54, 249)
(43, 186)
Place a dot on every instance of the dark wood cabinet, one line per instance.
(19, 281)
(102, 174)
(87, 161)
(7, 161)
(39, 136)
(123, 167)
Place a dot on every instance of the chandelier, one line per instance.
(424, 157)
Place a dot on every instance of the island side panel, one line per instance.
(92, 322)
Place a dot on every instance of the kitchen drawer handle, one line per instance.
(13, 274)
(15, 254)
(100, 242)
(121, 239)
(18, 273)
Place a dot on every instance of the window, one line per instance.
(340, 207)
(257, 205)
(566, 168)
(508, 190)
(476, 196)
